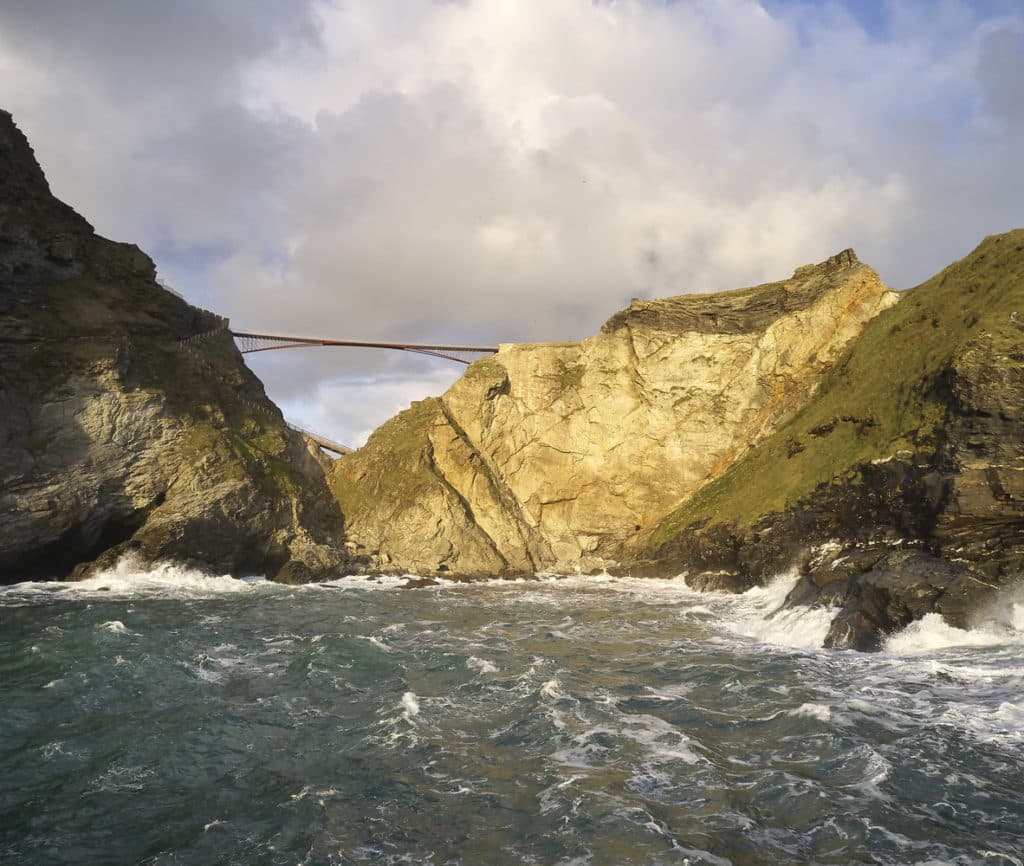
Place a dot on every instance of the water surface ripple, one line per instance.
(169, 718)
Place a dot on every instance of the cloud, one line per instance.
(346, 404)
(495, 170)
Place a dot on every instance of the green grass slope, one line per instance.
(887, 394)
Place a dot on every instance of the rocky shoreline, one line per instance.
(872, 440)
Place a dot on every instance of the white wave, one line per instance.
(699, 610)
(376, 641)
(482, 665)
(130, 579)
(552, 798)
(813, 711)
(206, 675)
(759, 613)
(552, 689)
(115, 626)
(931, 633)
(669, 693)
(1000, 623)
(410, 706)
(987, 716)
(587, 750)
(52, 750)
(876, 771)
(366, 583)
(118, 779)
(663, 741)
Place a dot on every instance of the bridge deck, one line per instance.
(251, 342)
(323, 441)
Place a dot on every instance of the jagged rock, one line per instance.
(942, 373)
(553, 456)
(128, 421)
(897, 589)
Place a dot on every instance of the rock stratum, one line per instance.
(128, 420)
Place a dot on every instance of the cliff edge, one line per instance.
(128, 420)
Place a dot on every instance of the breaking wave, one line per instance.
(167, 715)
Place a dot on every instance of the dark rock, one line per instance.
(871, 548)
(419, 583)
(128, 421)
(901, 587)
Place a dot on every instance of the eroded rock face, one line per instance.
(553, 456)
(128, 421)
(934, 523)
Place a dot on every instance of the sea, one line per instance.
(165, 716)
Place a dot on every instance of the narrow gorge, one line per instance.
(870, 441)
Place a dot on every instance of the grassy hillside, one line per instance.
(886, 395)
(400, 445)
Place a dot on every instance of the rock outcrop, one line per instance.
(899, 490)
(128, 421)
(555, 456)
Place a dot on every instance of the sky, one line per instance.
(493, 171)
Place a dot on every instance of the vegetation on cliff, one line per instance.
(888, 396)
(898, 490)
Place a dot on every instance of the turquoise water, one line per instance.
(168, 718)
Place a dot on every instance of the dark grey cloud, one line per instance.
(187, 50)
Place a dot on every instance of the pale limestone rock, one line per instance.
(553, 456)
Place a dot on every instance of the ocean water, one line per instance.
(169, 717)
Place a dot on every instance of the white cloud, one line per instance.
(508, 170)
(346, 404)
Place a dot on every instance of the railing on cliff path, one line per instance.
(322, 441)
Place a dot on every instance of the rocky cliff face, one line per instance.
(899, 490)
(556, 456)
(128, 421)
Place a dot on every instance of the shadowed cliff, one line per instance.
(128, 421)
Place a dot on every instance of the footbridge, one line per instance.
(249, 343)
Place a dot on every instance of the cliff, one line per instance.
(899, 489)
(556, 456)
(128, 421)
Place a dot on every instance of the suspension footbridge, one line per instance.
(249, 343)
